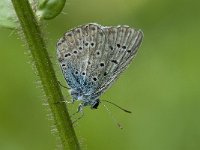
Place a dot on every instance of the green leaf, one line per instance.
(49, 9)
(7, 14)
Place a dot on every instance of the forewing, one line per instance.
(79, 51)
(122, 44)
(92, 56)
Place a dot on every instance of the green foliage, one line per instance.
(7, 14)
(45, 9)
(161, 86)
(49, 9)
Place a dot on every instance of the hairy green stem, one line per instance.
(46, 73)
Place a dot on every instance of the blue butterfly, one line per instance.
(92, 57)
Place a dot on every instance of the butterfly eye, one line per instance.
(95, 104)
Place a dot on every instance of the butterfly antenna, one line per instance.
(113, 118)
(125, 110)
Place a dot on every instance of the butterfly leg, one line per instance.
(79, 110)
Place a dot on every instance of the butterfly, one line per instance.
(92, 57)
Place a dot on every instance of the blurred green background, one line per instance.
(161, 86)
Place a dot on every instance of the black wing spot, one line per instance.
(98, 53)
(76, 72)
(124, 47)
(92, 44)
(105, 73)
(118, 45)
(86, 44)
(111, 47)
(63, 65)
(68, 54)
(75, 52)
(80, 48)
(89, 62)
(128, 51)
(83, 73)
(114, 61)
(94, 79)
(102, 64)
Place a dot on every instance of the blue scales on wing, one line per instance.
(92, 56)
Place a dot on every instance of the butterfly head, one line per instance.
(94, 104)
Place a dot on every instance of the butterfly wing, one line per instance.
(122, 44)
(79, 50)
(92, 56)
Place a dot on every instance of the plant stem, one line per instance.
(46, 73)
